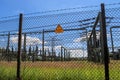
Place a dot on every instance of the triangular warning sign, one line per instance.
(59, 29)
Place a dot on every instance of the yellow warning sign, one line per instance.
(59, 29)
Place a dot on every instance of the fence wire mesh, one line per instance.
(113, 41)
(114, 53)
(8, 50)
(46, 55)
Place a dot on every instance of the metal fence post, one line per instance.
(104, 41)
(8, 50)
(25, 42)
(24, 56)
(61, 54)
(52, 46)
(43, 56)
(64, 53)
(111, 39)
(19, 46)
(87, 42)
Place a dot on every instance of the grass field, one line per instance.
(73, 70)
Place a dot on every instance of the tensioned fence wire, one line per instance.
(65, 53)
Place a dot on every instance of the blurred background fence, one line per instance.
(88, 48)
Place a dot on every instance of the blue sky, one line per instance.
(14, 7)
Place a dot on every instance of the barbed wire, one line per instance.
(72, 22)
(113, 4)
(66, 9)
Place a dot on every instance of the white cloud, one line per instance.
(78, 53)
(84, 37)
(58, 47)
(49, 47)
(29, 40)
(45, 47)
(81, 39)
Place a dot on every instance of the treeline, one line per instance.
(34, 54)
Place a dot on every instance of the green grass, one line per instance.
(53, 74)
(89, 71)
(7, 73)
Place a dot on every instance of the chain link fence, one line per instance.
(75, 54)
(113, 41)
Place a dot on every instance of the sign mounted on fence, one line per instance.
(59, 29)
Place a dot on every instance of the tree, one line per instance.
(0, 54)
(33, 55)
(29, 54)
(36, 52)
